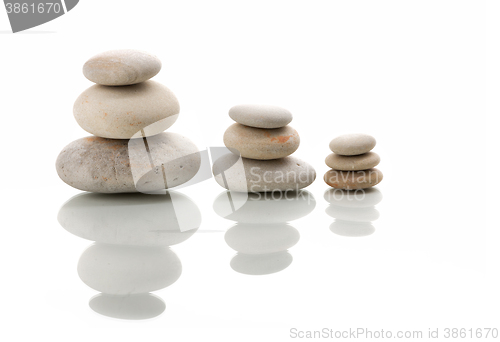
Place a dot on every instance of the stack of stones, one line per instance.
(263, 139)
(127, 114)
(352, 163)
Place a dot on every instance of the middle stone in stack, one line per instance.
(264, 141)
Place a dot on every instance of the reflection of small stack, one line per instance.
(122, 105)
(264, 140)
(353, 211)
(261, 237)
(352, 163)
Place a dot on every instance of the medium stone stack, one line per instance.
(263, 139)
(121, 110)
(352, 163)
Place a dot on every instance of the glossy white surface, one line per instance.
(421, 77)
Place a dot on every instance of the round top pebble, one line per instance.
(121, 67)
(352, 144)
(260, 116)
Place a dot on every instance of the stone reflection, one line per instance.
(353, 211)
(133, 307)
(261, 236)
(131, 256)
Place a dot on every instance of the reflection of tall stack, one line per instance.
(353, 211)
(261, 236)
(263, 139)
(352, 163)
(126, 276)
(121, 110)
(131, 256)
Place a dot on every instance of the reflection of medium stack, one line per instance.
(353, 211)
(122, 106)
(264, 140)
(261, 236)
(352, 163)
(131, 257)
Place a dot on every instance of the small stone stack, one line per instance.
(263, 139)
(352, 163)
(121, 111)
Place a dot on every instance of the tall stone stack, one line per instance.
(127, 113)
(352, 163)
(265, 142)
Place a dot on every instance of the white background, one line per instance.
(420, 76)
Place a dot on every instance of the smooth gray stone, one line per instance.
(261, 116)
(267, 207)
(112, 166)
(352, 144)
(261, 264)
(360, 198)
(249, 175)
(133, 111)
(132, 307)
(124, 270)
(352, 229)
(353, 180)
(261, 238)
(121, 67)
(353, 214)
(131, 219)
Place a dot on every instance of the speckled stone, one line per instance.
(352, 144)
(249, 175)
(121, 67)
(126, 112)
(351, 180)
(260, 116)
(261, 143)
(352, 163)
(104, 165)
